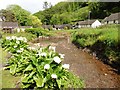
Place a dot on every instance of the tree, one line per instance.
(45, 5)
(7, 15)
(35, 21)
(21, 15)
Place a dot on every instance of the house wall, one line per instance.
(110, 22)
(116, 21)
(105, 22)
(87, 25)
(96, 24)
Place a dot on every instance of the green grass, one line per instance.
(103, 40)
(7, 80)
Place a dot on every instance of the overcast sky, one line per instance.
(30, 5)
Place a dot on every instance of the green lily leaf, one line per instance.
(13, 69)
(24, 78)
(29, 68)
(26, 85)
(39, 81)
(59, 83)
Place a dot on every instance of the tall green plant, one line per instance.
(40, 68)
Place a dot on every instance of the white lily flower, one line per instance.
(52, 48)
(66, 66)
(8, 38)
(62, 55)
(24, 39)
(13, 37)
(40, 49)
(54, 76)
(18, 42)
(43, 54)
(31, 48)
(15, 46)
(19, 51)
(47, 66)
(57, 59)
(21, 38)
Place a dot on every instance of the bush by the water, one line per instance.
(38, 31)
(103, 41)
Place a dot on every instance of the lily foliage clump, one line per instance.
(40, 68)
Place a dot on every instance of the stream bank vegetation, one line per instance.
(102, 41)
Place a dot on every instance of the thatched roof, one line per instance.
(57, 26)
(9, 24)
(47, 26)
(112, 17)
(63, 26)
(25, 26)
(86, 22)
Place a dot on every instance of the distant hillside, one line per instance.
(66, 12)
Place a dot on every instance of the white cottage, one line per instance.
(112, 19)
(88, 23)
(96, 24)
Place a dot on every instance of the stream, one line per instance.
(94, 73)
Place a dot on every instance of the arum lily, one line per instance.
(43, 54)
(15, 46)
(19, 51)
(54, 76)
(13, 37)
(62, 55)
(57, 59)
(52, 48)
(18, 42)
(66, 66)
(8, 38)
(47, 66)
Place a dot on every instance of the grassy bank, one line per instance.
(7, 80)
(103, 41)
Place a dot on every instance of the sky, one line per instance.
(29, 5)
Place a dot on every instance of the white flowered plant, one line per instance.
(8, 38)
(43, 54)
(39, 66)
(47, 66)
(52, 48)
(62, 55)
(57, 59)
(14, 43)
(66, 66)
(54, 76)
(31, 48)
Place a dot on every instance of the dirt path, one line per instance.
(94, 73)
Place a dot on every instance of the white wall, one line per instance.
(96, 24)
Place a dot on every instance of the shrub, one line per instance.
(38, 31)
